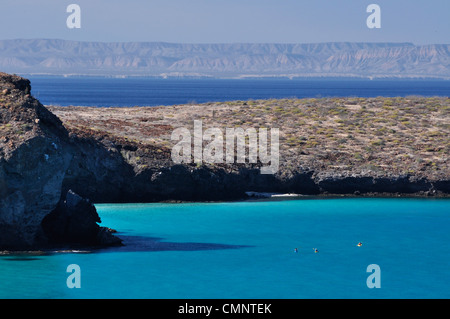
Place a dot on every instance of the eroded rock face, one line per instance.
(34, 155)
(32, 179)
(74, 222)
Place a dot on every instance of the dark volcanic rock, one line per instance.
(34, 156)
(98, 173)
(370, 184)
(35, 153)
(74, 221)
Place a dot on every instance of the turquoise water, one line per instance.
(246, 250)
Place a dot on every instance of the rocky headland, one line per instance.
(35, 153)
(56, 161)
(328, 146)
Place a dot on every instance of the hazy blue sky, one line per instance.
(225, 21)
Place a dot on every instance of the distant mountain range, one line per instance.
(61, 57)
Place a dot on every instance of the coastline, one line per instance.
(73, 157)
(288, 197)
(352, 146)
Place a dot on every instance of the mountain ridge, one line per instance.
(360, 59)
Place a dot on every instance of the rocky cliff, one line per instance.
(349, 146)
(35, 153)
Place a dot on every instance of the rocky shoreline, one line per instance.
(56, 161)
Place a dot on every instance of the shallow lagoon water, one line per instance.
(246, 250)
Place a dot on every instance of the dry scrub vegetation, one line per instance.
(344, 136)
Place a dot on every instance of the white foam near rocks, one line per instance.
(270, 195)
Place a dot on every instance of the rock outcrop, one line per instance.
(34, 156)
(35, 153)
(74, 222)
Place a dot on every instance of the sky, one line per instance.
(228, 21)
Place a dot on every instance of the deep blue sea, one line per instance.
(246, 250)
(92, 91)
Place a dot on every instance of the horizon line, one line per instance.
(229, 43)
